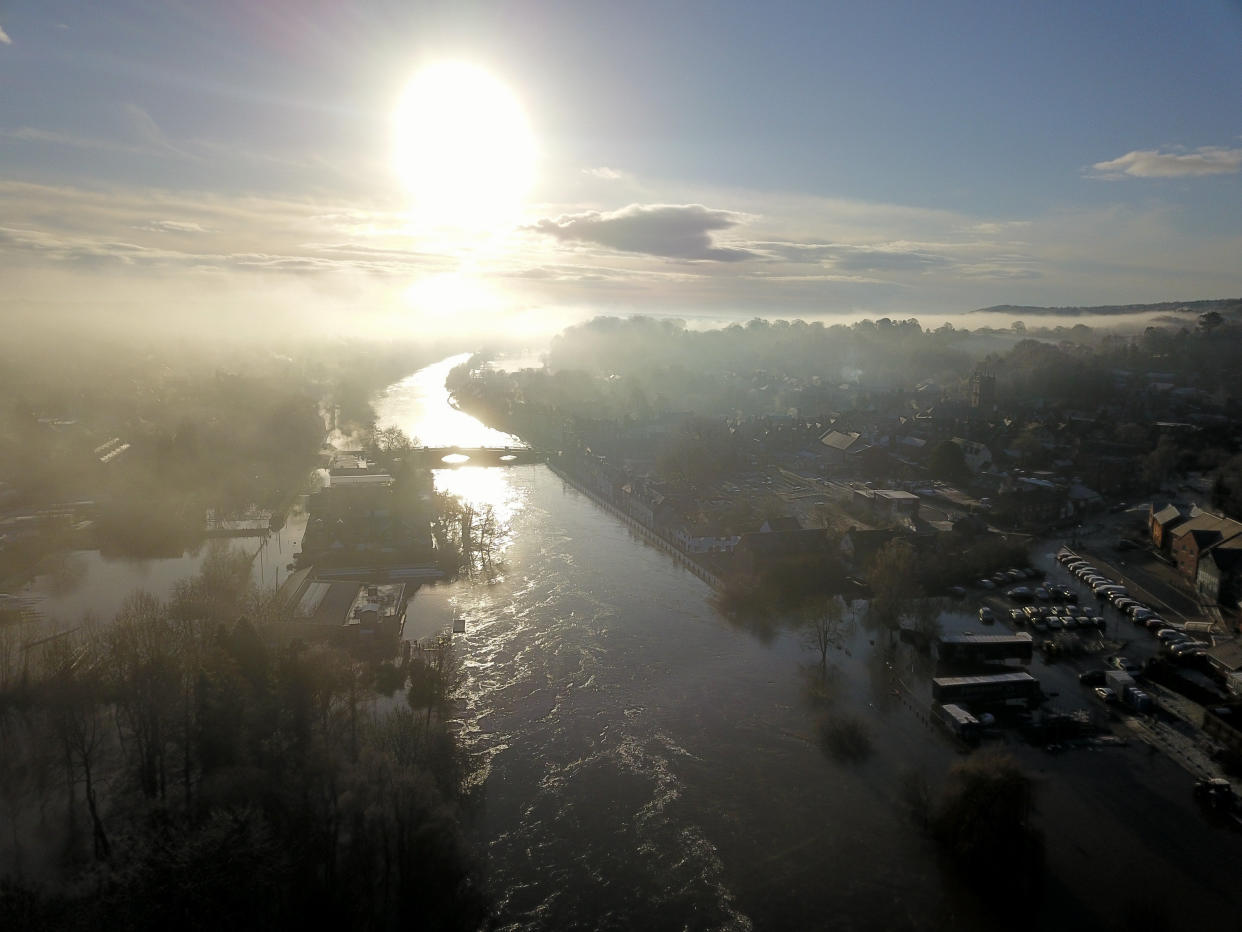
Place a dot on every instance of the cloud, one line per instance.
(4, 37)
(671, 231)
(604, 172)
(852, 258)
(1152, 163)
(172, 226)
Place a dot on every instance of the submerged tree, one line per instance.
(826, 626)
(983, 821)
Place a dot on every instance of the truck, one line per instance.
(1128, 692)
(1118, 681)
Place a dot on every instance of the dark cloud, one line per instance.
(673, 231)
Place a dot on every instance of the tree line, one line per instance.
(190, 765)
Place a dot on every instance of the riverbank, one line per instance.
(641, 530)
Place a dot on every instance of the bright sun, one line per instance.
(462, 147)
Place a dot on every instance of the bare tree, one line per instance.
(827, 627)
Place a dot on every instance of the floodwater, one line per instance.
(644, 763)
(85, 583)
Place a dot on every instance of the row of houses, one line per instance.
(1206, 548)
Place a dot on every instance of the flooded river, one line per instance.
(647, 764)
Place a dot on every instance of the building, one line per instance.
(983, 390)
(1218, 574)
(836, 447)
(1192, 537)
(759, 552)
(347, 612)
(705, 538)
(1160, 525)
(859, 546)
(886, 506)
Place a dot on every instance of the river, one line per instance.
(644, 762)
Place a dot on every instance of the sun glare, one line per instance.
(463, 148)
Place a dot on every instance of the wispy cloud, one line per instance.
(172, 226)
(670, 231)
(1152, 163)
(4, 37)
(604, 172)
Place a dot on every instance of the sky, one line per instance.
(199, 163)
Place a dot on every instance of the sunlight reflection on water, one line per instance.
(419, 404)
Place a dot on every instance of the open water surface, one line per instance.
(646, 763)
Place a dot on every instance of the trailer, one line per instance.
(984, 648)
(958, 720)
(998, 687)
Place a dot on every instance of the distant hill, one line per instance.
(1224, 306)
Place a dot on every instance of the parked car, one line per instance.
(1092, 678)
(1019, 594)
(986, 584)
(957, 591)
(986, 616)
(1041, 593)
(1105, 694)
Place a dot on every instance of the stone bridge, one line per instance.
(452, 457)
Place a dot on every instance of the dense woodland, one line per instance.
(188, 766)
